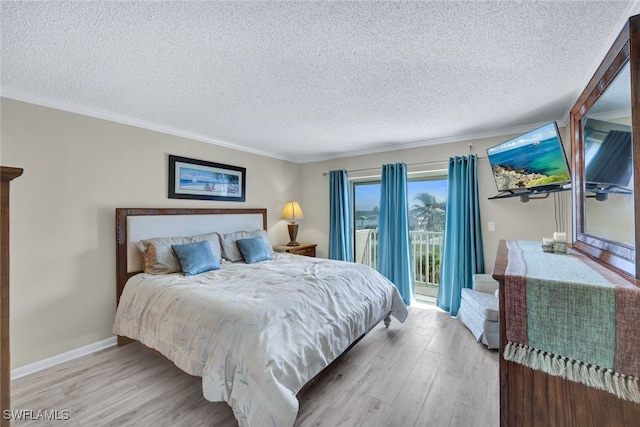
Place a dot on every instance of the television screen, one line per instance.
(534, 159)
(607, 154)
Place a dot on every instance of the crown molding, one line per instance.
(71, 107)
(131, 121)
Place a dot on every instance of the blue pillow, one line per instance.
(253, 250)
(196, 258)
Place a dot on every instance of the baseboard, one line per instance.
(61, 358)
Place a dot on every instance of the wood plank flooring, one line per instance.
(428, 371)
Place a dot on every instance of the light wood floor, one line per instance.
(428, 371)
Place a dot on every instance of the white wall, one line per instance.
(77, 170)
(513, 219)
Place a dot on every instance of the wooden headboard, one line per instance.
(135, 224)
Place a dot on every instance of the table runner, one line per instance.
(570, 317)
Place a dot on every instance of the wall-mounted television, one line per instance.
(608, 154)
(533, 160)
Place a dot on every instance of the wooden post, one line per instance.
(7, 175)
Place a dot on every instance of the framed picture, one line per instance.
(201, 180)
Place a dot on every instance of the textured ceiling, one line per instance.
(310, 80)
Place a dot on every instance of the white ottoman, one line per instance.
(479, 310)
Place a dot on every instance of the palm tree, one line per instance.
(423, 209)
(426, 210)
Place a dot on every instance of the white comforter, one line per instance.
(257, 333)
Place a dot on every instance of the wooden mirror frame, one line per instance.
(626, 49)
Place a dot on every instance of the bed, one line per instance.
(254, 333)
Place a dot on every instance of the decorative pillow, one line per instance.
(214, 240)
(196, 258)
(230, 249)
(253, 250)
(157, 255)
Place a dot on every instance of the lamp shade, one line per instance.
(292, 210)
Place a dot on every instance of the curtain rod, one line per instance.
(434, 162)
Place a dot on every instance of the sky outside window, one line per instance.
(367, 199)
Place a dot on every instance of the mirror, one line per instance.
(604, 126)
(609, 164)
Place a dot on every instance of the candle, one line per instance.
(547, 244)
(560, 237)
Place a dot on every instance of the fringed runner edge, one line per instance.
(623, 386)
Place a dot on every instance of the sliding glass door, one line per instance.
(427, 206)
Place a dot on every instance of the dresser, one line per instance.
(8, 174)
(531, 397)
(306, 249)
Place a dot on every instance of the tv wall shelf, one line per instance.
(531, 194)
(601, 193)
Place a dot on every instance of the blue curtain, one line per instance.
(462, 254)
(340, 218)
(394, 243)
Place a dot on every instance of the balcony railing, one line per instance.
(426, 247)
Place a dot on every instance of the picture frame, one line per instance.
(202, 180)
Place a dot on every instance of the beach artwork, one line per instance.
(215, 183)
(198, 179)
(530, 160)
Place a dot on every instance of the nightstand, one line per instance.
(306, 249)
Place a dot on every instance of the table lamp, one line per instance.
(292, 211)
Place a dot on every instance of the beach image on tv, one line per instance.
(530, 160)
(216, 183)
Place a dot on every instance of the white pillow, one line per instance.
(158, 256)
(230, 249)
